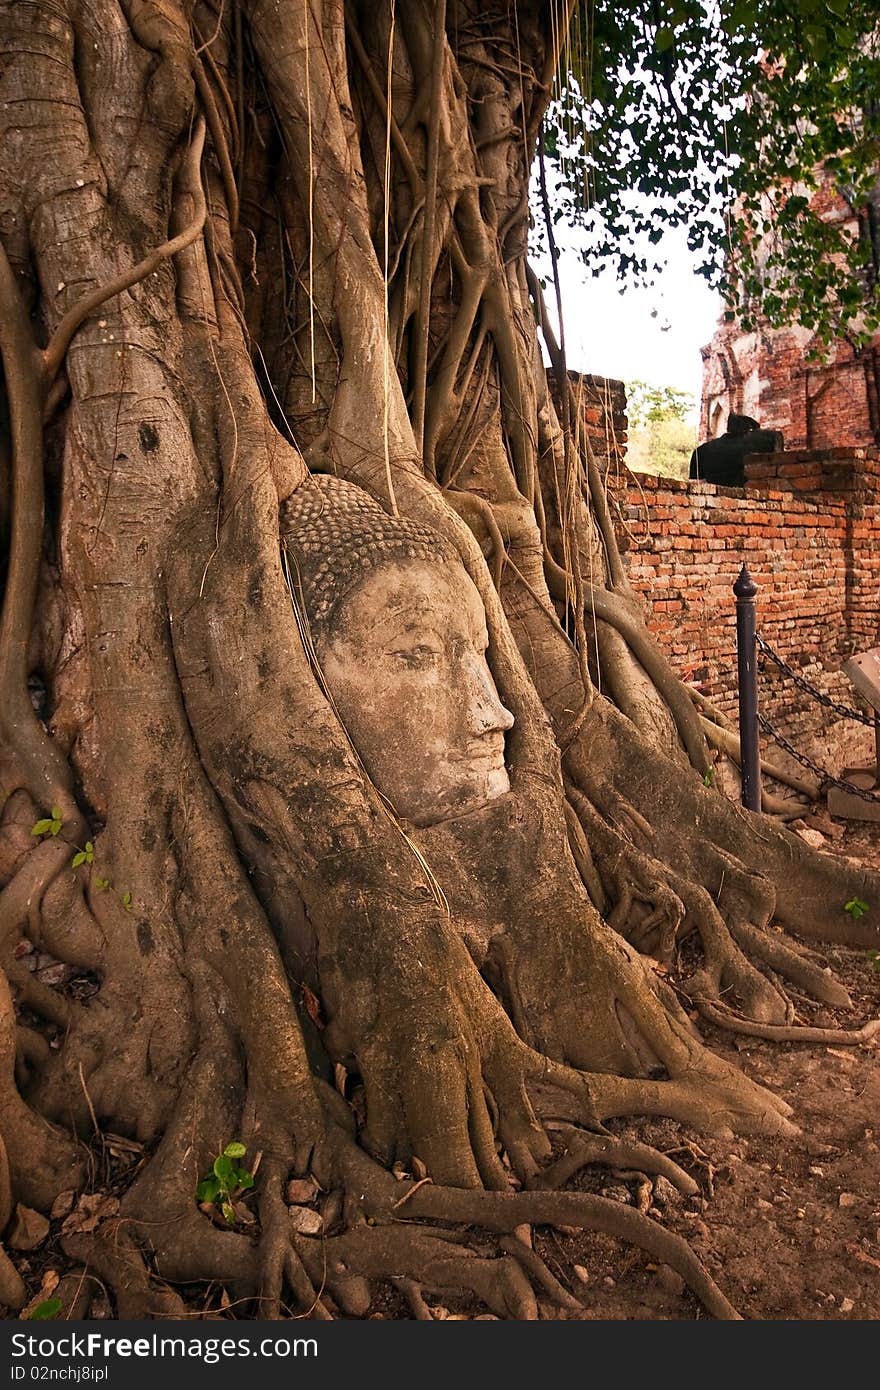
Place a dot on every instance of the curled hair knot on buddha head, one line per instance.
(337, 535)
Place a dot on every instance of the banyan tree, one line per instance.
(336, 756)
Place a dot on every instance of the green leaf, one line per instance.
(42, 827)
(243, 1179)
(224, 1170)
(208, 1189)
(126, 900)
(49, 1308)
(100, 884)
(708, 776)
(235, 1150)
(856, 907)
(57, 813)
(78, 858)
(228, 1212)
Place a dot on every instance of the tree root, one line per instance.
(722, 1018)
(53, 355)
(112, 1254)
(503, 1212)
(585, 1149)
(279, 1258)
(724, 915)
(432, 1261)
(783, 957)
(13, 1293)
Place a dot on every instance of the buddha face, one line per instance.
(405, 662)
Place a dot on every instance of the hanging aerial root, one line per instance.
(190, 182)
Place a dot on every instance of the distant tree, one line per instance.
(650, 405)
(661, 429)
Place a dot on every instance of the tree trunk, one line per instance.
(240, 245)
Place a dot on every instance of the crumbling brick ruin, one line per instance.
(768, 374)
(805, 523)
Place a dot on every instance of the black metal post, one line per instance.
(745, 589)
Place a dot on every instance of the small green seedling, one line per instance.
(49, 1308)
(856, 908)
(49, 825)
(874, 958)
(99, 884)
(708, 776)
(226, 1182)
(84, 856)
(126, 900)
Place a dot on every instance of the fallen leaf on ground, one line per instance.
(62, 1205)
(91, 1209)
(50, 1282)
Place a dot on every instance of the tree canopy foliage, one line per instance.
(721, 116)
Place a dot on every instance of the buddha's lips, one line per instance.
(480, 756)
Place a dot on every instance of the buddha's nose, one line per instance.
(487, 715)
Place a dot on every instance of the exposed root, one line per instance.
(437, 1262)
(280, 1263)
(782, 956)
(540, 1275)
(503, 1212)
(630, 876)
(12, 1290)
(721, 1018)
(38, 1160)
(585, 1149)
(111, 1253)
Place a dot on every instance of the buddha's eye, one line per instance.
(420, 655)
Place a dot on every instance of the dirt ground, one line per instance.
(788, 1228)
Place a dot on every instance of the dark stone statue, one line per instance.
(722, 460)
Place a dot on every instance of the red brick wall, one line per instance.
(806, 525)
(602, 401)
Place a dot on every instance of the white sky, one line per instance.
(651, 335)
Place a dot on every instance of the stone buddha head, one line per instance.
(400, 636)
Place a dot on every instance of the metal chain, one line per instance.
(820, 772)
(845, 711)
